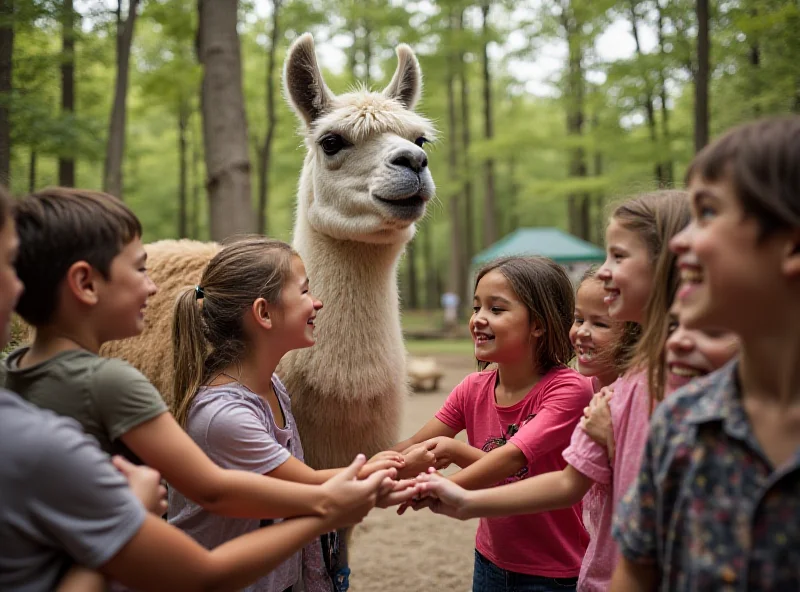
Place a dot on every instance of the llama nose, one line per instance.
(414, 159)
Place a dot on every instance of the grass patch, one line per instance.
(431, 347)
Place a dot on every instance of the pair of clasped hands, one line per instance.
(442, 496)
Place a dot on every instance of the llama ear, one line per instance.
(302, 81)
(406, 84)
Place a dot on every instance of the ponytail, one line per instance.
(189, 353)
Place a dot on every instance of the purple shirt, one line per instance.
(629, 415)
(237, 430)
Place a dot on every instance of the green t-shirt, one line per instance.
(108, 397)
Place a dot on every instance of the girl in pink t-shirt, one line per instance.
(640, 281)
(518, 417)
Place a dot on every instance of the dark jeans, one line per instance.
(487, 577)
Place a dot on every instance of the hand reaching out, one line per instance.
(351, 499)
(596, 421)
(440, 495)
(388, 459)
(145, 484)
(417, 459)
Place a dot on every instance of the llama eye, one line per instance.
(421, 141)
(331, 144)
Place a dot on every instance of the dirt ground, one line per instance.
(418, 551)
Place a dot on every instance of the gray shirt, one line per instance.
(237, 430)
(62, 501)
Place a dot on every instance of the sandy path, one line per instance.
(418, 551)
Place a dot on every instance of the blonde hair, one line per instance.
(656, 217)
(207, 328)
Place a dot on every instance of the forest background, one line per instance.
(547, 110)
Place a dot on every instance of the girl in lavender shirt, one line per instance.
(640, 282)
(252, 306)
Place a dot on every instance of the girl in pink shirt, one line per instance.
(640, 281)
(518, 417)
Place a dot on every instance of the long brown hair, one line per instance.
(656, 217)
(207, 329)
(546, 291)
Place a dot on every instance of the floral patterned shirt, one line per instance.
(708, 508)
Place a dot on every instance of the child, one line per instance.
(83, 265)
(252, 306)
(640, 280)
(518, 419)
(716, 505)
(65, 504)
(594, 333)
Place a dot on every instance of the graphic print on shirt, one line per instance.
(492, 443)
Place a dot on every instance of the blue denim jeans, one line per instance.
(487, 577)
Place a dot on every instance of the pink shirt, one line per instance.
(630, 417)
(550, 544)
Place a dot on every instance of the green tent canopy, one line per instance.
(556, 244)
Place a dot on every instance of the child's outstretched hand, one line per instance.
(441, 496)
(596, 420)
(388, 459)
(444, 450)
(402, 491)
(417, 459)
(145, 484)
(350, 498)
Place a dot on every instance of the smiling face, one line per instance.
(297, 310)
(627, 273)
(593, 332)
(365, 176)
(125, 293)
(695, 352)
(500, 324)
(730, 276)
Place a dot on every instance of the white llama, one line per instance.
(365, 181)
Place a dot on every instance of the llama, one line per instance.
(364, 183)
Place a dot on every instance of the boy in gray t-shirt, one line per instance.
(63, 502)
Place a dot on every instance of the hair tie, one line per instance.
(198, 293)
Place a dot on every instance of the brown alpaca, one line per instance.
(364, 184)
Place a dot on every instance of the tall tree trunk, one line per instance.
(183, 126)
(6, 82)
(648, 88)
(701, 77)
(411, 267)
(265, 150)
(513, 191)
(469, 204)
(115, 147)
(755, 62)
(32, 171)
(224, 121)
(197, 181)
(577, 203)
(431, 283)
(66, 164)
(667, 166)
(457, 279)
(489, 206)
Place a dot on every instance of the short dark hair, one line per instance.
(58, 227)
(762, 161)
(546, 291)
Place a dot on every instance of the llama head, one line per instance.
(365, 176)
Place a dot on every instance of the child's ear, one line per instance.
(536, 330)
(791, 262)
(262, 313)
(81, 282)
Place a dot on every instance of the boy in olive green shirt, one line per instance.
(83, 265)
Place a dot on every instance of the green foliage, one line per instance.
(531, 148)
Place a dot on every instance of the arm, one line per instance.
(597, 423)
(633, 577)
(447, 451)
(161, 557)
(162, 444)
(82, 579)
(542, 493)
(432, 429)
(491, 468)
